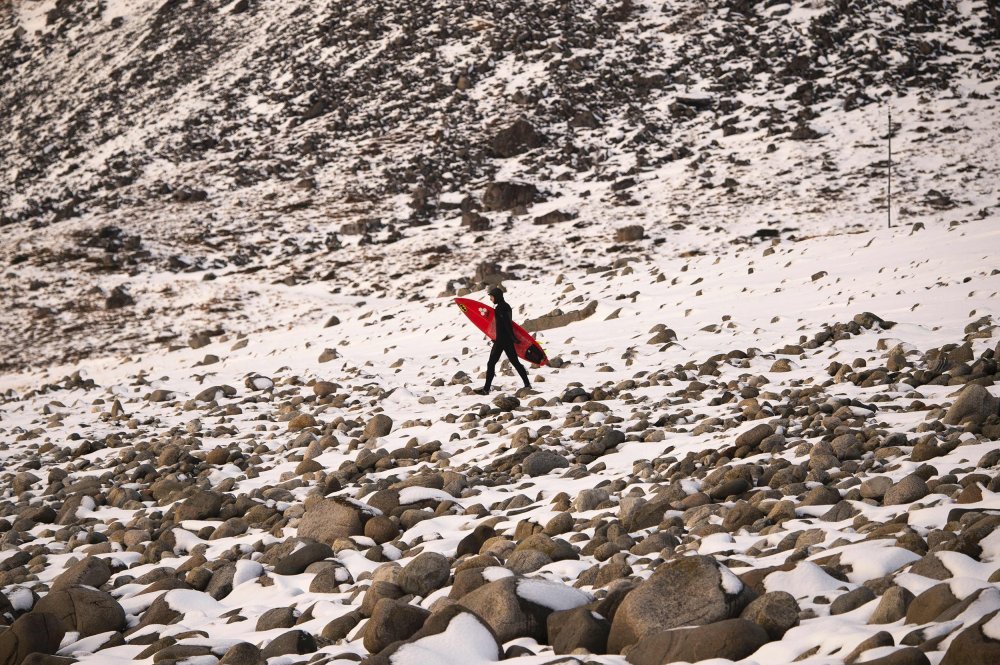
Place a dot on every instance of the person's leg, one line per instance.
(512, 357)
(491, 366)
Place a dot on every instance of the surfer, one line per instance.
(504, 342)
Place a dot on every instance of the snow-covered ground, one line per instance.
(236, 397)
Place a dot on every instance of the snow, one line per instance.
(719, 293)
(494, 573)
(991, 629)
(414, 494)
(552, 595)
(466, 641)
(730, 583)
(807, 579)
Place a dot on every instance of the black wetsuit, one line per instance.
(504, 343)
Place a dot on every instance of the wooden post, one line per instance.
(888, 206)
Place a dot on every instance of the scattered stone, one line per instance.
(731, 639)
(690, 591)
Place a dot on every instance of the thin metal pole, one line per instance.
(888, 207)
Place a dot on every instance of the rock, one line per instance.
(427, 572)
(742, 514)
(930, 604)
(84, 610)
(732, 639)
(276, 617)
(381, 529)
(876, 487)
(542, 462)
(89, 571)
(555, 548)
(690, 591)
(821, 496)
(243, 653)
(472, 543)
(326, 520)
(852, 600)
(48, 659)
(560, 319)
(909, 489)
(293, 642)
(776, 612)
(329, 579)
(301, 422)
(392, 620)
(523, 562)
(977, 644)
(516, 139)
(932, 567)
(518, 607)
(464, 633)
(35, 632)
(221, 583)
(753, 436)
(379, 425)
(501, 196)
(159, 612)
(631, 233)
(341, 627)
(323, 388)
(905, 656)
(297, 562)
(570, 630)
(892, 607)
(975, 404)
(202, 505)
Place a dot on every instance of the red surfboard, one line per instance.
(482, 316)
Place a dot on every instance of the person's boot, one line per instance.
(482, 391)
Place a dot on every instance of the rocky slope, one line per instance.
(236, 411)
(382, 147)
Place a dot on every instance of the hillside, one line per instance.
(237, 418)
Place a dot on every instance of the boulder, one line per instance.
(379, 425)
(518, 607)
(578, 628)
(391, 621)
(979, 644)
(753, 436)
(929, 605)
(243, 653)
(542, 462)
(277, 617)
(518, 138)
(776, 612)
(852, 600)
(732, 639)
(35, 632)
(501, 196)
(326, 520)
(452, 632)
(427, 572)
(84, 610)
(89, 571)
(905, 656)
(690, 591)
(975, 403)
(293, 642)
(297, 562)
(909, 489)
(202, 505)
(892, 607)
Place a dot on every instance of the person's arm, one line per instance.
(505, 328)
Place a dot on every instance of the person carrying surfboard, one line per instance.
(504, 342)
